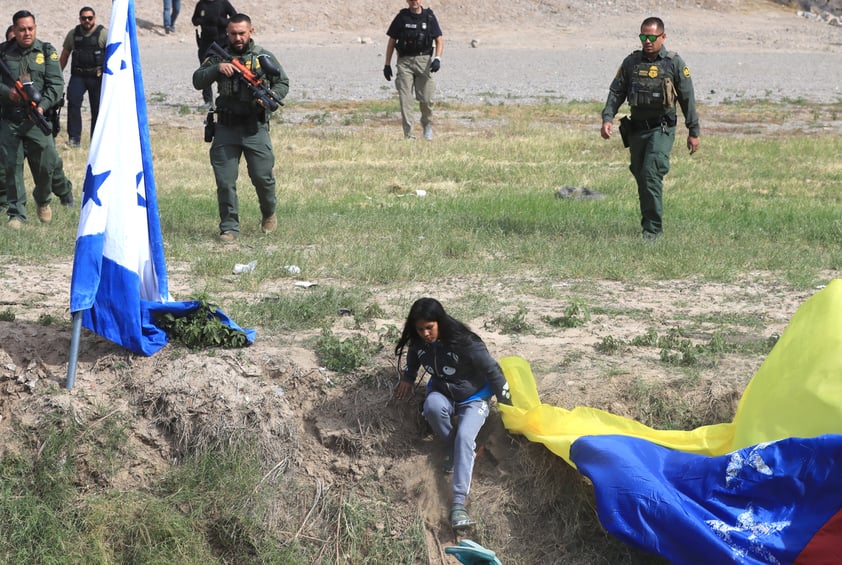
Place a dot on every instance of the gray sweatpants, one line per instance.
(439, 411)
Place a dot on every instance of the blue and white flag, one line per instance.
(119, 273)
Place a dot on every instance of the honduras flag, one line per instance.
(765, 488)
(119, 277)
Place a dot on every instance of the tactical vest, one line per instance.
(415, 36)
(651, 86)
(234, 96)
(88, 57)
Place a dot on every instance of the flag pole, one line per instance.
(74, 349)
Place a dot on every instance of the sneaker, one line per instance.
(269, 224)
(68, 200)
(15, 223)
(650, 236)
(428, 132)
(447, 465)
(73, 143)
(45, 213)
(227, 237)
(459, 518)
(169, 29)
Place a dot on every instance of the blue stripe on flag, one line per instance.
(758, 505)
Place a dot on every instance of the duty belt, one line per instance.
(652, 123)
(230, 119)
(86, 71)
(416, 54)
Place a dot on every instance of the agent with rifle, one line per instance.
(31, 84)
(53, 115)
(251, 85)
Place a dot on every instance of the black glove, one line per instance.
(387, 72)
(505, 396)
(435, 65)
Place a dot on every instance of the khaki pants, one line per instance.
(413, 72)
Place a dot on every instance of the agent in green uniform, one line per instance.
(652, 80)
(242, 129)
(60, 182)
(30, 60)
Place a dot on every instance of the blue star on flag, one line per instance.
(90, 190)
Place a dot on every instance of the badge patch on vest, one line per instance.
(39, 59)
(54, 57)
(686, 72)
(653, 71)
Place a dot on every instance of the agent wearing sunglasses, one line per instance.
(652, 80)
(84, 46)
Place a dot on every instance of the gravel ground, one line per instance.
(736, 50)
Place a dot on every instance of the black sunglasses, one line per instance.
(86, 18)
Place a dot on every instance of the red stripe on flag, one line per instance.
(825, 548)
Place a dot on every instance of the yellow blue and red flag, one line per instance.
(765, 488)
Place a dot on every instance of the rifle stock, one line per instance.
(29, 93)
(253, 80)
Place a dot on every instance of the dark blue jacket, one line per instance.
(458, 371)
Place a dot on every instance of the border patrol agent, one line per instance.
(242, 129)
(85, 47)
(30, 59)
(415, 34)
(652, 80)
(211, 16)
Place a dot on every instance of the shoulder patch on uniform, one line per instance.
(39, 59)
(686, 72)
(54, 56)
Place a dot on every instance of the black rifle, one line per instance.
(29, 93)
(54, 116)
(253, 79)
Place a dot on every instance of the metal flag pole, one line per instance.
(74, 349)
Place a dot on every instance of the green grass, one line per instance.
(348, 208)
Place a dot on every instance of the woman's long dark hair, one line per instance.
(451, 330)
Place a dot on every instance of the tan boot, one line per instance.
(45, 213)
(15, 223)
(227, 237)
(269, 224)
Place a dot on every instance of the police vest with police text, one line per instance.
(415, 36)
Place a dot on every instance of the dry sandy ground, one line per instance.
(342, 434)
(528, 49)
